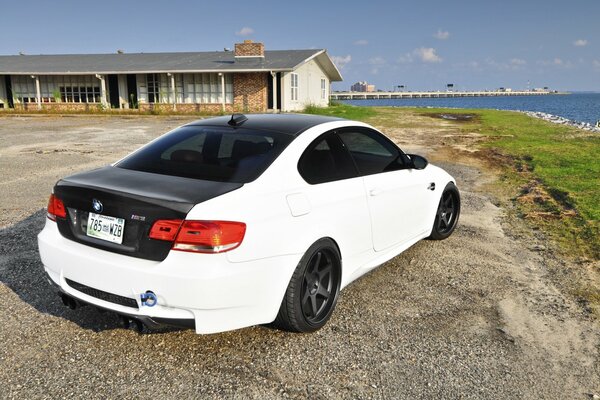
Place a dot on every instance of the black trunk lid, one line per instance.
(140, 198)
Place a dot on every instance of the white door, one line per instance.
(336, 198)
(399, 203)
(399, 199)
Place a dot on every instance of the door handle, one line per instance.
(375, 192)
(431, 186)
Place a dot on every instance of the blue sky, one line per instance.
(423, 45)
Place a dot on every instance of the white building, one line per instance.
(248, 79)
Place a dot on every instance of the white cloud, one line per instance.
(341, 61)
(470, 65)
(442, 35)
(556, 62)
(405, 59)
(361, 42)
(580, 43)
(511, 65)
(377, 61)
(245, 31)
(596, 64)
(427, 55)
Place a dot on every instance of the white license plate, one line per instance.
(106, 228)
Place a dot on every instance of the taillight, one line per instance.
(200, 236)
(56, 208)
(165, 229)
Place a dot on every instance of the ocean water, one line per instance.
(582, 107)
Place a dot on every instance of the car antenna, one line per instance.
(237, 119)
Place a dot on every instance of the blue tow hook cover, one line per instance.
(148, 299)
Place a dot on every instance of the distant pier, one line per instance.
(418, 95)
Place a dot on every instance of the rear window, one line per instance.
(210, 153)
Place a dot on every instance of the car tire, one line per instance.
(447, 213)
(313, 290)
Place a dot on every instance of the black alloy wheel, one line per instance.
(447, 213)
(318, 287)
(313, 290)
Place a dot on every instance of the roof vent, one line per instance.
(237, 119)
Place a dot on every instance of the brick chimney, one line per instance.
(249, 49)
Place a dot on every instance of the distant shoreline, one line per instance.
(582, 109)
(440, 94)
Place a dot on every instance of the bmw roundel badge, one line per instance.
(97, 205)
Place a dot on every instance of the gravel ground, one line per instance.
(474, 316)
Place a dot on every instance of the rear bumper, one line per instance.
(206, 289)
(150, 322)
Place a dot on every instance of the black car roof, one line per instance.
(291, 124)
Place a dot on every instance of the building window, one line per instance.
(79, 94)
(206, 88)
(24, 89)
(156, 88)
(153, 88)
(323, 89)
(294, 78)
(66, 89)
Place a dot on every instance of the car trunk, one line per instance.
(139, 198)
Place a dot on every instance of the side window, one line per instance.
(326, 160)
(372, 152)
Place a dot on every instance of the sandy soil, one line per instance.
(480, 315)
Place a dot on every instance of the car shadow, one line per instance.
(22, 271)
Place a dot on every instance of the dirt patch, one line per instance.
(454, 117)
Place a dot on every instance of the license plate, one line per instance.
(106, 228)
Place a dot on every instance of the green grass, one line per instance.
(343, 111)
(561, 162)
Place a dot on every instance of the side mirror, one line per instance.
(418, 162)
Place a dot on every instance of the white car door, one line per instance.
(337, 198)
(399, 198)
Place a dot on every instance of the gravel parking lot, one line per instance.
(475, 316)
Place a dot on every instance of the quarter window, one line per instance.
(372, 152)
(294, 85)
(326, 160)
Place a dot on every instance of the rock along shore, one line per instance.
(561, 120)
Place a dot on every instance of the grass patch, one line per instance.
(342, 111)
(554, 170)
(551, 171)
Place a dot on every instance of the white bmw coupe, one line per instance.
(235, 221)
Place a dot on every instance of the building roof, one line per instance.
(212, 61)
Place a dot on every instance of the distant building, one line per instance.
(362, 87)
(249, 78)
